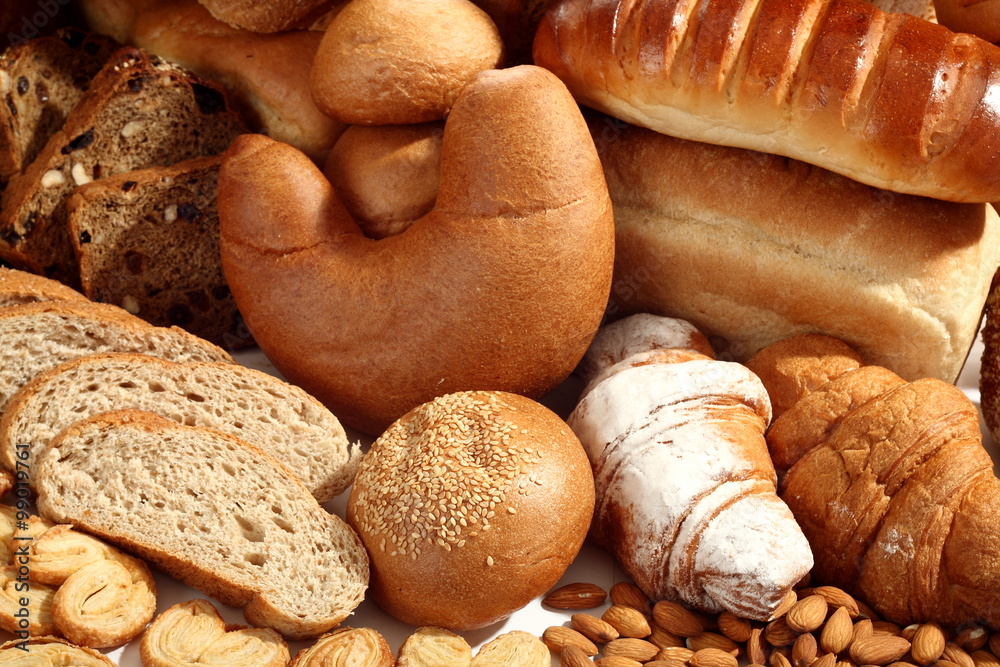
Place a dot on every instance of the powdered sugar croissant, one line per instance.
(685, 489)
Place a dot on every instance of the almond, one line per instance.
(804, 650)
(756, 649)
(901, 663)
(886, 628)
(628, 621)
(593, 628)
(972, 638)
(927, 643)
(576, 596)
(618, 661)
(574, 657)
(734, 627)
(676, 653)
(665, 663)
(558, 636)
(779, 660)
(713, 640)
(629, 647)
(825, 660)
(862, 630)
(787, 603)
(910, 631)
(838, 631)
(777, 633)
(807, 614)
(844, 663)
(984, 659)
(628, 594)
(662, 638)
(955, 653)
(878, 649)
(712, 657)
(946, 663)
(995, 643)
(836, 597)
(677, 620)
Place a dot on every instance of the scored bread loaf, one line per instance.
(277, 417)
(37, 336)
(211, 510)
(20, 287)
(683, 477)
(888, 99)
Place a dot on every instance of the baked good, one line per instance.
(516, 20)
(20, 287)
(897, 496)
(38, 336)
(51, 652)
(434, 647)
(683, 478)
(977, 18)
(363, 647)
(910, 302)
(39, 605)
(461, 300)
(193, 633)
(470, 506)
(989, 369)
(139, 112)
(842, 85)
(387, 176)
(211, 510)
(267, 16)
(389, 62)
(148, 241)
(40, 82)
(920, 8)
(513, 648)
(279, 418)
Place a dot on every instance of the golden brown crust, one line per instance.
(267, 16)
(989, 378)
(434, 647)
(462, 299)
(51, 652)
(363, 647)
(20, 287)
(981, 19)
(513, 648)
(13, 592)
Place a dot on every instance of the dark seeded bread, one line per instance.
(20, 287)
(277, 417)
(213, 511)
(40, 82)
(139, 112)
(148, 241)
(37, 336)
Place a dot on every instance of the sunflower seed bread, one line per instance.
(277, 417)
(211, 510)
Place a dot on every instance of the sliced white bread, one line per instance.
(20, 287)
(211, 510)
(277, 417)
(37, 336)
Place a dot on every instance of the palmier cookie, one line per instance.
(358, 647)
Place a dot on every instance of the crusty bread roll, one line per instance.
(387, 62)
(888, 99)
(501, 286)
(470, 506)
(753, 248)
(270, 16)
(977, 17)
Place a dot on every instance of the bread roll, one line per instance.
(470, 506)
(887, 99)
(270, 16)
(980, 18)
(753, 248)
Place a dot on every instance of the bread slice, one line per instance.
(211, 510)
(277, 417)
(41, 80)
(148, 241)
(37, 336)
(20, 287)
(139, 112)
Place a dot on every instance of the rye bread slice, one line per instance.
(148, 241)
(38, 336)
(20, 287)
(41, 80)
(139, 112)
(277, 417)
(211, 510)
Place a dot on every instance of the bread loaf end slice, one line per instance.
(211, 510)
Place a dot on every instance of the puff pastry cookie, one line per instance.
(357, 647)
(50, 652)
(434, 647)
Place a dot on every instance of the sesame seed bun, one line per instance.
(470, 506)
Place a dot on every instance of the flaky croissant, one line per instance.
(897, 496)
(685, 489)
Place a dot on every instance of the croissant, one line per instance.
(891, 485)
(686, 493)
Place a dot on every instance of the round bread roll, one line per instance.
(270, 16)
(387, 175)
(470, 506)
(394, 62)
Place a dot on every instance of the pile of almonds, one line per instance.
(814, 627)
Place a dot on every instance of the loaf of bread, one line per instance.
(891, 484)
(18, 288)
(980, 18)
(271, 16)
(211, 510)
(501, 286)
(686, 494)
(888, 99)
(753, 248)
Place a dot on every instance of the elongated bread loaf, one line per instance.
(211, 510)
(888, 99)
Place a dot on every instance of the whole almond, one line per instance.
(955, 653)
(628, 621)
(845, 663)
(618, 661)
(909, 632)
(878, 649)
(927, 643)
(807, 614)
(756, 647)
(665, 663)
(901, 663)
(677, 620)
(628, 594)
(576, 596)
(558, 636)
(886, 628)
(825, 660)
(713, 640)
(779, 660)
(734, 627)
(786, 603)
(676, 653)
(712, 657)
(629, 647)
(593, 628)
(777, 633)
(574, 657)
(836, 597)
(804, 650)
(946, 663)
(662, 638)
(837, 632)
(984, 659)
(972, 638)
(862, 630)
